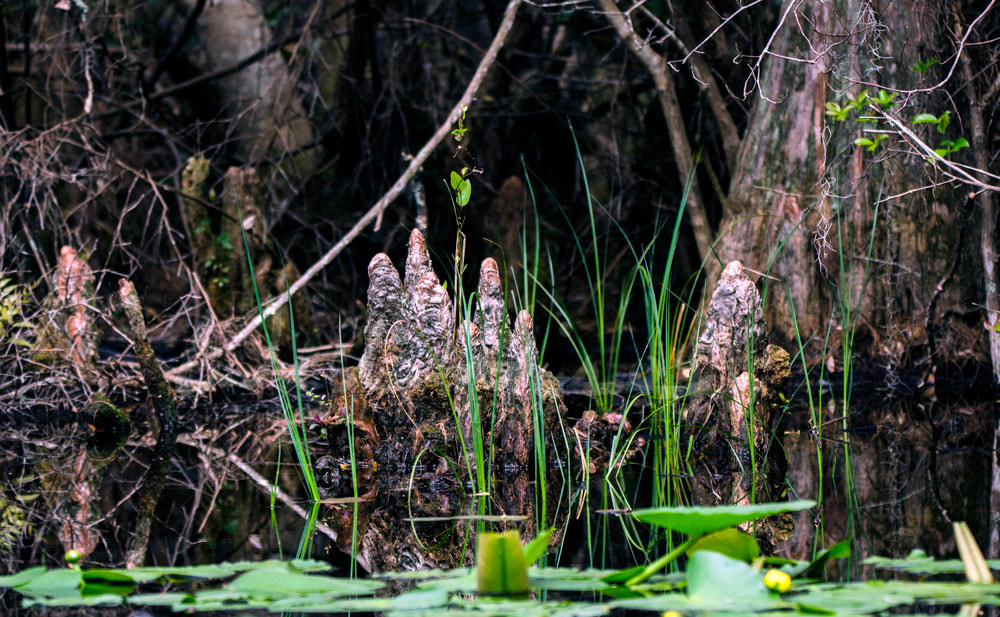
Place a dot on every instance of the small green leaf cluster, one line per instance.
(13, 523)
(12, 299)
(459, 180)
(885, 101)
(840, 112)
(217, 265)
(922, 66)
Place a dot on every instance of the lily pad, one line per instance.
(281, 580)
(698, 520)
(730, 542)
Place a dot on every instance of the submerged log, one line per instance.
(733, 402)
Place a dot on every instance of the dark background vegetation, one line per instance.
(104, 102)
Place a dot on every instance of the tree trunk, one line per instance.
(859, 259)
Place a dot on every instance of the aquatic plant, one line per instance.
(714, 581)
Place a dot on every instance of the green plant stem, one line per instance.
(662, 562)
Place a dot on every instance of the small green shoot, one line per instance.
(921, 66)
(941, 122)
(869, 144)
(462, 187)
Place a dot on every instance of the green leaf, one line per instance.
(457, 179)
(536, 548)
(23, 577)
(942, 152)
(280, 580)
(621, 576)
(863, 141)
(62, 583)
(500, 565)
(699, 520)
(924, 118)
(464, 192)
(960, 143)
(840, 550)
(711, 574)
(106, 582)
(943, 122)
(732, 543)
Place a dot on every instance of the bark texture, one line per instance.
(734, 406)
(866, 254)
(420, 373)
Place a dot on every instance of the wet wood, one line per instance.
(165, 406)
(734, 406)
(430, 381)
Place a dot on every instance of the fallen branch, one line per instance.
(375, 212)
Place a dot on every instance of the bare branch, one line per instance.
(667, 91)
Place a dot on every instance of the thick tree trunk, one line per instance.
(860, 259)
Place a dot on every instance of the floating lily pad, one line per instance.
(698, 520)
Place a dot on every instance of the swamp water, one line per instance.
(418, 528)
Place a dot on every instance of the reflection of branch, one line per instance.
(667, 91)
(375, 212)
(258, 479)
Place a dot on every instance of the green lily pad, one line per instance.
(281, 580)
(711, 575)
(22, 577)
(698, 520)
(730, 542)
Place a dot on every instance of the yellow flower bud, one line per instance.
(779, 581)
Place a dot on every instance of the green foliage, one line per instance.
(711, 583)
(462, 187)
(885, 101)
(732, 543)
(13, 523)
(941, 122)
(460, 180)
(871, 144)
(922, 66)
(701, 520)
(12, 300)
(218, 264)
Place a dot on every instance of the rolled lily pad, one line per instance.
(698, 520)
